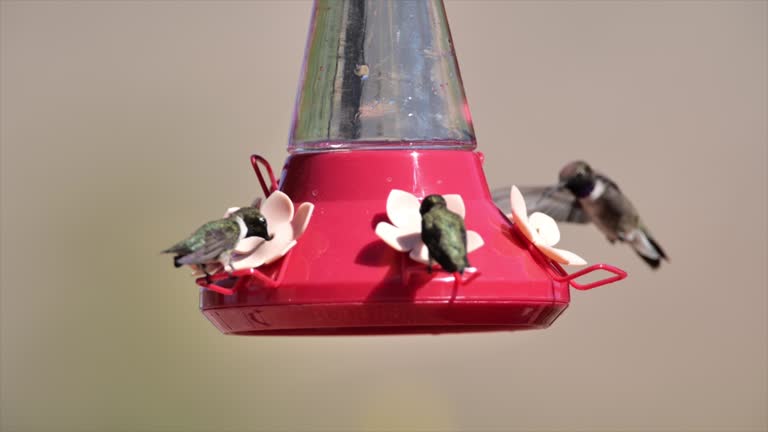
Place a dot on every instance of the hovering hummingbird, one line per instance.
(582, 196)
(443, 232)
(215, 240)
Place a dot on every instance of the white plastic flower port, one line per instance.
(541, 230)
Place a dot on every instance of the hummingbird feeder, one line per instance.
(381, 121)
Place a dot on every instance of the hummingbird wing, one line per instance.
(608, 182)
(216, 242)
(179, 248)
(560, 204)
(445, 236)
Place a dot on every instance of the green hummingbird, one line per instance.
(444, 234)
(215, 240)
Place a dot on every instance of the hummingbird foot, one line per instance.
(227, 264)
(458, 279)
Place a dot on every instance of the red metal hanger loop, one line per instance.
(268, 189)
(618, 274)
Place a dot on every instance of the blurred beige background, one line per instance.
(126, 124)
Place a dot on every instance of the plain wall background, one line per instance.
(126, 124)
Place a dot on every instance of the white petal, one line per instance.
(522, 225)
(282, 253)
(277, 208)
(249, 261)
(474, 241)
(562, 256)
(517, 202)
(398, 239)
(455, 204)
(301, 219)
(546, 227)
(230, 211)
(403, 210)
(247, 245)
(519, 213)
(420, 253)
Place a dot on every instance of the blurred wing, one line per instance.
(500, 197)
(607, 181)
(216, 242)
(561, 205)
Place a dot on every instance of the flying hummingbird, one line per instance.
(582, 196)
(215, 240)
(443, 232)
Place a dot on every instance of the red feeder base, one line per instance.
(342, 279)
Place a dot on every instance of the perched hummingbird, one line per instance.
(584, 196)
(443, 232)
(215, 240)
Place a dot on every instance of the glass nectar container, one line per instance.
(380, 75)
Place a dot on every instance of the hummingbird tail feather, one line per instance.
(178, 247)
(653, 262)
(656, 245)
(647, 248)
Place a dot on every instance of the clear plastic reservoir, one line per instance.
(380, 74)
